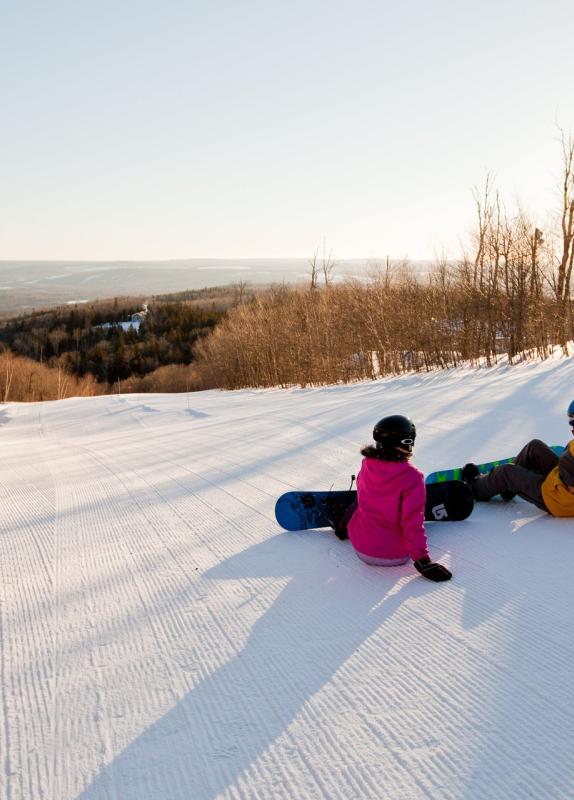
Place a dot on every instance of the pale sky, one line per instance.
(152, 129)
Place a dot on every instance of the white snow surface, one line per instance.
(162, 638)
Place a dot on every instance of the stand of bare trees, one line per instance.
(22, 379)
(497, 301)
(391, 324)
(510, 293)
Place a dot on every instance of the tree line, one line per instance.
(510, 293)
(83, 345)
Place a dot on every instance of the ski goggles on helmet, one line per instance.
(394, 441)
(571, 421)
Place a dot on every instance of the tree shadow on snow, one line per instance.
(226, 722)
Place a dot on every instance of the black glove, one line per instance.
(434, 572)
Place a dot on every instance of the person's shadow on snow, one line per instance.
(221, 727)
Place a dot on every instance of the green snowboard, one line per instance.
(455, 474)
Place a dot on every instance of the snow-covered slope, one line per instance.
(162, 638)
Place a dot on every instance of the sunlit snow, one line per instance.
(162, 638)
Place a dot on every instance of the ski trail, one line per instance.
(162, 638)
(26, 633)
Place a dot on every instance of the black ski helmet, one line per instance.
(395, 433)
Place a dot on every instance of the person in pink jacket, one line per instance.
(386, 524)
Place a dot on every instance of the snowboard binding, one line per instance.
(336, 508)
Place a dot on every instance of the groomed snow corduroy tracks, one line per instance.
(161, 638)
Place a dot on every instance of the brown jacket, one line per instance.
(558, 486)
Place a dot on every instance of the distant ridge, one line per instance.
(40, 284)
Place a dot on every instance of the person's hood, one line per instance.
(381, 471)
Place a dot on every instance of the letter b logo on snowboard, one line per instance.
(439, 512)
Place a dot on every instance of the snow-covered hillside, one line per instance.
(162, 638)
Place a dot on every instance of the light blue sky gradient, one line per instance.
(174, 129)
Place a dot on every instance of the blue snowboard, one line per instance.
(456, 473)
(299, 511)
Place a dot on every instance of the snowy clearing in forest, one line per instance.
(161, 638)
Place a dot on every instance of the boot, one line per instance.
(469, 473)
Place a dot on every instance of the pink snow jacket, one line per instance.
(389, 520)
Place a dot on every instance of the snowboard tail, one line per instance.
(455, 474)
(298, 511)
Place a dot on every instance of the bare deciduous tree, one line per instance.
(562, 282)
(322, 266)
